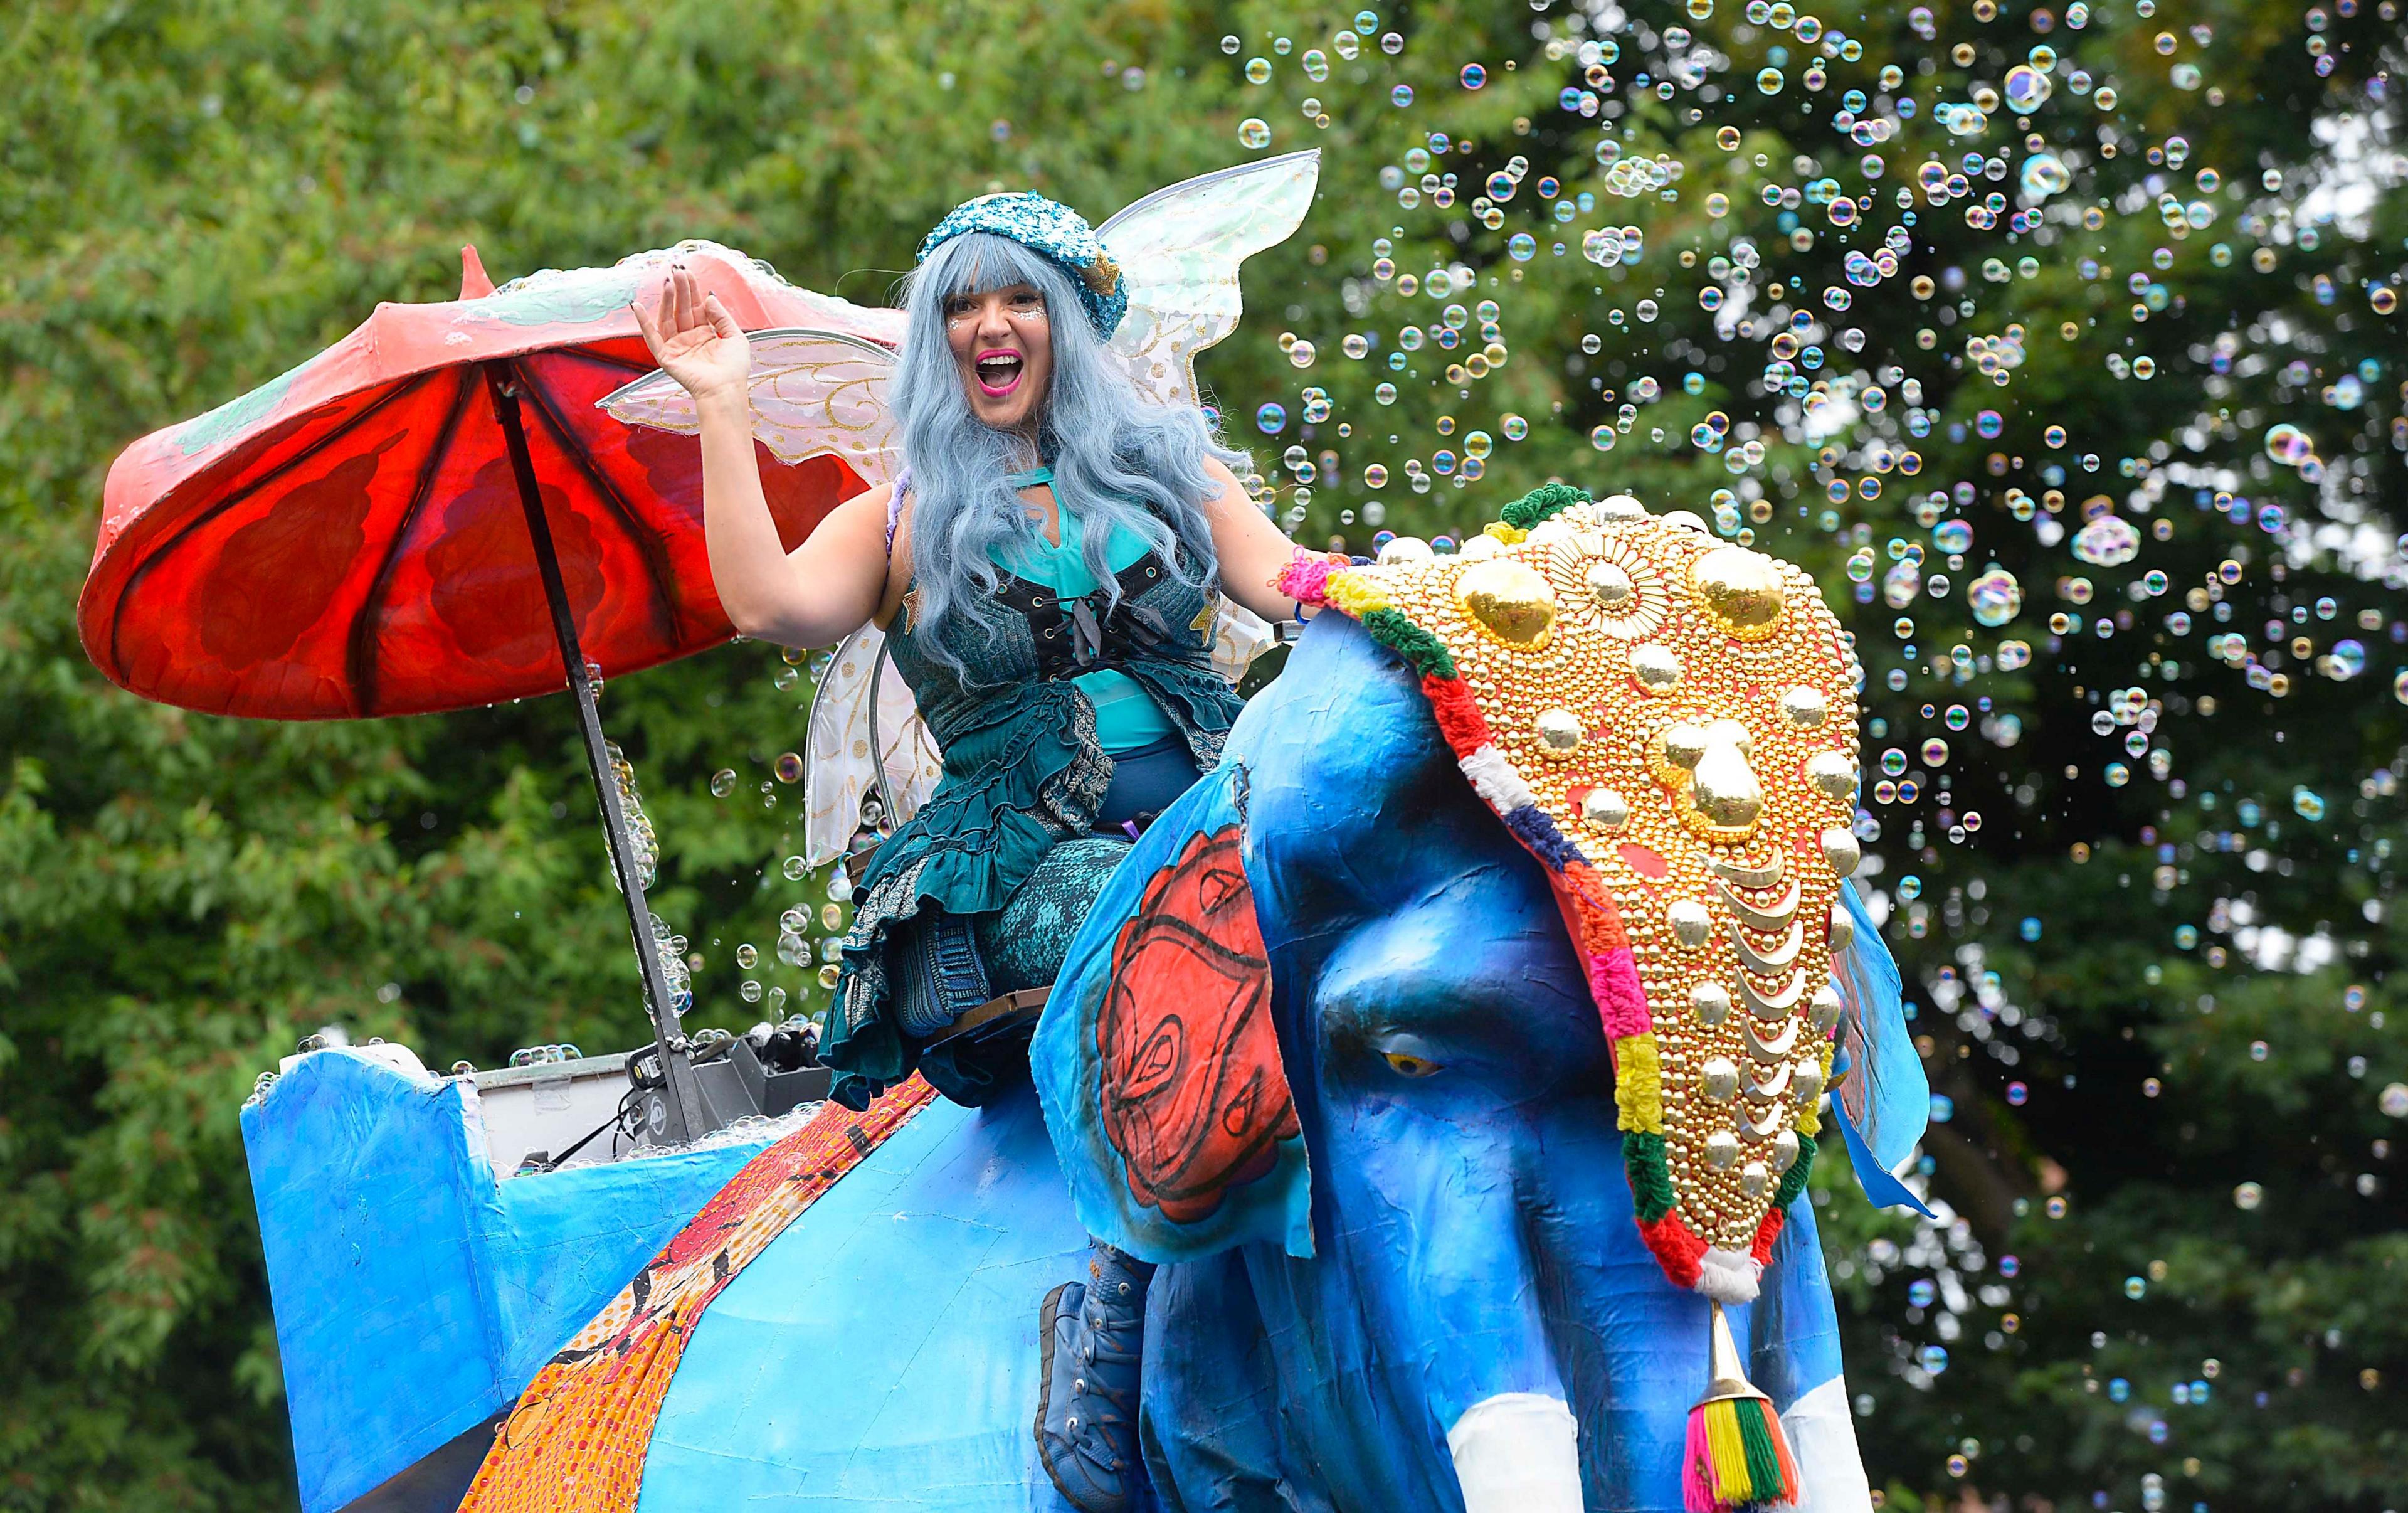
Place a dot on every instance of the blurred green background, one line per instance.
(2152, 993)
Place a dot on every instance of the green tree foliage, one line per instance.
(2136, 995)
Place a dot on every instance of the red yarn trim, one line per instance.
(1459, 714)
(1765, 1233)
(1602, 931)
(1677, 1248)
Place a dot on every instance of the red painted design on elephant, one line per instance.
(1194, 1096)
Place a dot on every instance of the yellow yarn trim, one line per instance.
(1809, 1121)
(1507, 535)
(1354, 594)
(1726, 1451)
(1639, 1084)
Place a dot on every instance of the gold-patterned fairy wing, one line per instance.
(814, 393)
(1179, 249)
(839, 770)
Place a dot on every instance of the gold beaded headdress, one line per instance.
(1669, 723)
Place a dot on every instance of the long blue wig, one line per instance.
(1117, 458)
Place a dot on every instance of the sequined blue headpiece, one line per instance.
(1052, 229)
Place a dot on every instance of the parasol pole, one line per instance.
(687, 1115)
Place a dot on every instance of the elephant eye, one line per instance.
(1411, 1066)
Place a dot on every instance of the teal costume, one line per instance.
(978, 892)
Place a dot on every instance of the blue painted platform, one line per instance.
(416, 1291)
(887, 1340)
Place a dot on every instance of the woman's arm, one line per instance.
(814, 596)
(1252, 550)
(826, 588)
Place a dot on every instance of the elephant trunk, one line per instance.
(1517, 1452)
(1488, 1368)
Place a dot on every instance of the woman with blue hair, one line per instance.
(1047, 567)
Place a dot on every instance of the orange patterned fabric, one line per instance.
(577, 1440)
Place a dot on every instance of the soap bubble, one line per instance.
(2027, 89)
(2108, 541)
(1995, 597)
(723, 783)
(2045, 174)
(1271, 418)
(1254, 132)
(2288, 445)
(1473, 75)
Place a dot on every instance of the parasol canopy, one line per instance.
(349, 541)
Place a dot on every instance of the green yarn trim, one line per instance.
(1651, 1180)
(1793, 1181)
(1756, 1431)
(1427, 655)
(1541, 504)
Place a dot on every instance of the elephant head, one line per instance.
(1327, 1046)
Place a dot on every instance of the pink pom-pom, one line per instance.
(1305, 578)
(1698, 1484)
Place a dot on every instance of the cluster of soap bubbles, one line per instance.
(809, 936)
(644, 841)
(1839, 357)
(545, 1055)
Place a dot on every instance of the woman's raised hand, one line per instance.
(695, 339)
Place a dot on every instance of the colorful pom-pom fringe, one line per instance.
(1739, 1460)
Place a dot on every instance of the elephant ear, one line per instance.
(1157, 1059)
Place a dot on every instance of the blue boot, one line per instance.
(1087, 1417)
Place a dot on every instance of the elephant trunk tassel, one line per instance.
(1737, 1457)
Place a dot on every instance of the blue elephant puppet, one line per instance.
(1475, 1290)
(1419, 1312)
(1326, 1052)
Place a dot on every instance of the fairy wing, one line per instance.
(814, 393)
(1180, 249)
(841, 771)
(1238, 636)
(818, 393)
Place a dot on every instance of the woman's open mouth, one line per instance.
(998, 372)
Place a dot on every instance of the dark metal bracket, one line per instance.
(676, 1112)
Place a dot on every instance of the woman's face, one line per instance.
(1003, 346)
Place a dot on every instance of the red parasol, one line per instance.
(382, 530)
(348, 540)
